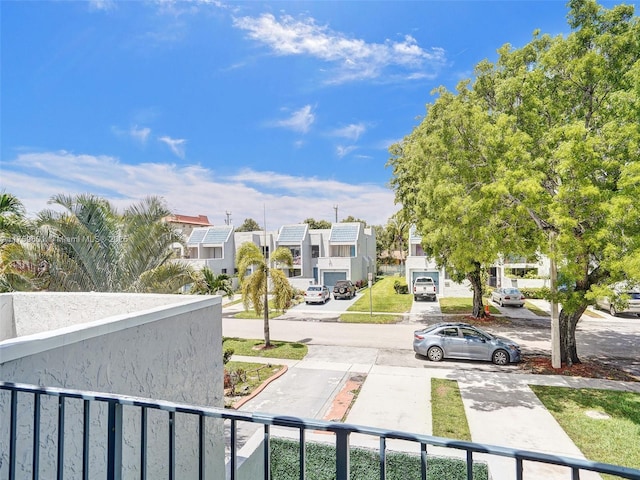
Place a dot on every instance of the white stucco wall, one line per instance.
(169, 352)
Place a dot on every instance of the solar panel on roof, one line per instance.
(216, 235)
(196, 236)
(292, 234)
(344, 233)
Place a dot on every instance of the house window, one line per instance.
(315, 251)
(343, 251)
(295, 253)
(224, 270)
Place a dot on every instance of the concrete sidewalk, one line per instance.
(501, 408)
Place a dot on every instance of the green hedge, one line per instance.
(365, 464)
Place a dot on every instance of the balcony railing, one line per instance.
(11, 394)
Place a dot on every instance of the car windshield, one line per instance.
(511, 291)
(634, 295)
(423, 280)
(314, 289)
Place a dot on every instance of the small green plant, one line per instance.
(400, 287)
(226, 355)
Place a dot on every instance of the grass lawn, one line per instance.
(383, 298)
(368, 318)
(251, 314)
(247, 347)
(536, 310)
(615, 440)
(447, 410)
(461, 306)
(246, 377)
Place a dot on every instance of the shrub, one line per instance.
(400, 287)
(541, 293)
(226, 356)
(365, 464)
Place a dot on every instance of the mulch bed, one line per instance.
(541, 364)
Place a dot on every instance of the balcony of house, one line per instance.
(85, 434)
(165, 347)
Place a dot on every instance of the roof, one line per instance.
(344, 232)
(210, 236)
(292, 234)
(414, 236)
(199, 220)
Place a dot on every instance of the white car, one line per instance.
(316, 294)
(508, 296)
(632, 303)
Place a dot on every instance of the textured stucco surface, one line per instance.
(175, 356)
(46, 311)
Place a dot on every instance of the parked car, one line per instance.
(316, 294)
(632, 306)
(344, 289)
(508, 296)
(424, 287)
(461, 340)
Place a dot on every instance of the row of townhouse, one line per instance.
(510, 271)
(346, 251)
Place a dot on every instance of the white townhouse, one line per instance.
(345, 251)
(508, 271)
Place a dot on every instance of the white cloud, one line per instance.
(103, 5)
(341, 150)
(299, 121)
(354, 59)
(192, 189)
(140, 134)
(351, 132)
(175, 144)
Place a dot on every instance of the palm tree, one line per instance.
(15, 243)
(13, 219)
(208, 283)
(254, 286)
(91, 247)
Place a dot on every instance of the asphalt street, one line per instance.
(614, 340)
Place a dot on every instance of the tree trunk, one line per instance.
(568, 323)
(267, 338)
(475, 278)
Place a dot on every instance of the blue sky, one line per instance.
(288, 107)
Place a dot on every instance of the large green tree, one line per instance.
(90, 246)
(249, 225)
(317, 224)
(556, 155)
(254, 286)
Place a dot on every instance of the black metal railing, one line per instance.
(12, 394)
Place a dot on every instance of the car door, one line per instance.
(452, 343)
(476, 346)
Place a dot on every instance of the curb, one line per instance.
(264, 384)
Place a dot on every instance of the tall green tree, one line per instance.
(208, 283)
(249, 225)
(555, 151)
(17, 238)
(254, 286)
(317, 224)
(13, 220)
(89, 246)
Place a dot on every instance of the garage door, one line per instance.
(330, 278)
(434, 275)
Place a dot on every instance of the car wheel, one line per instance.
(307, 303)
(435, 354)
(500, 357)
(612, 310)
(500, 303)
(415, 298)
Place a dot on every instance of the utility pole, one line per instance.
(335, 207)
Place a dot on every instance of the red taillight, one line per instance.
(507, 298)
(418, 337)
(522, 297)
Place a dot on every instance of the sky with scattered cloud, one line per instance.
(242, 107)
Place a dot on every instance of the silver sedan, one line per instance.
(508, 296)
(461, 340)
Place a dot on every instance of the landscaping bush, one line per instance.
(541, 293)
(400, 287)
(365, 464)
